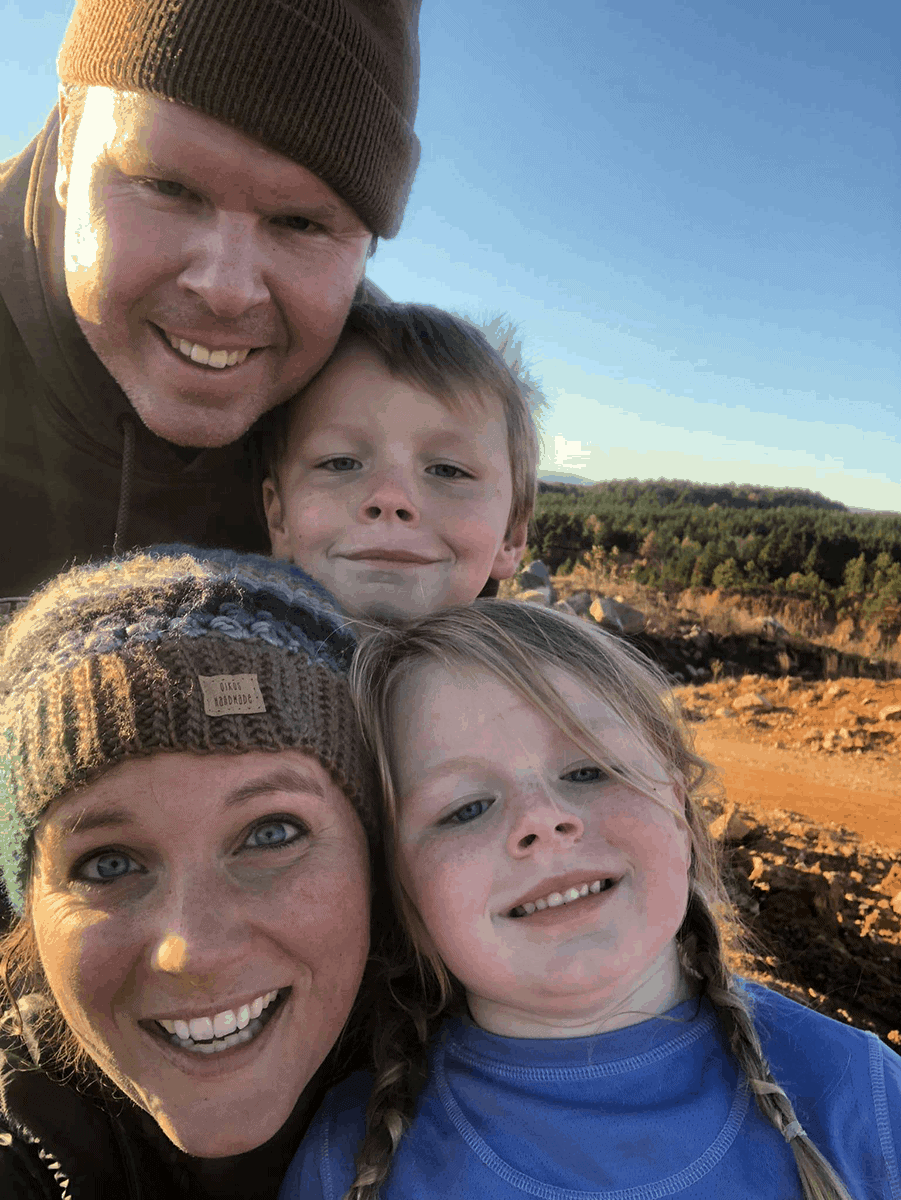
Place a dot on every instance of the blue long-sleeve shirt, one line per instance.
(654, 1110)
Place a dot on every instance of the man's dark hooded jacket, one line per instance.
(76, 462)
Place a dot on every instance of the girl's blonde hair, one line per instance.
(521, 645)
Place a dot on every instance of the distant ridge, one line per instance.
(562, 477)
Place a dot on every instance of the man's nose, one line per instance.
(389, 499)
(226, 266)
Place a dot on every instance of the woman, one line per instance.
(185, 839)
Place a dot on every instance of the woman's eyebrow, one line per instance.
(286, 779)
(84, 822)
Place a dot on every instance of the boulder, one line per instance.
(535, 575)
(730, 827)
(892, 713)
(751, 702)
(774, 629)
(613, 615)
(564, 606)
(580, 603)
(542, 596)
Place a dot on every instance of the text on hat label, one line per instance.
(224, 695)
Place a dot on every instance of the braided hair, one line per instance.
(520, 645)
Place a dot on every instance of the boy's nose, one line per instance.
(390, 500)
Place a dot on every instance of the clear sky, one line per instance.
(692, 210)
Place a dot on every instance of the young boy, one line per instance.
(403, 476)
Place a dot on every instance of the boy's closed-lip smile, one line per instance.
(382, 554)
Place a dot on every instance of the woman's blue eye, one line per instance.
(469, 812)
(585, 775)
(110, 865)
(273, 833)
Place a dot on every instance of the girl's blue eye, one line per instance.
(586, 775)
(273, 833)
(448, 471)
(106, 867)
(469, 812)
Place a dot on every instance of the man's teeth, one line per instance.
(207, 357)
(555, 899)
(226, 1028)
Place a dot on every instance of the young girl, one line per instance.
(558, 1017)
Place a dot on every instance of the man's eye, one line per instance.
(168, 187)
(449, 471)
(297, 224)
(107, 866)
(341, 463)
(586, 775)
(469, 812)
(272, 833)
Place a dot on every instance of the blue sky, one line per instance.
(692, 210)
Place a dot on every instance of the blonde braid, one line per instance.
(703, 949)
(400, 1054)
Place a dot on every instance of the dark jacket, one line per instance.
(70, 1141)
(68, 472)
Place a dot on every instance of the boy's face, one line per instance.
(393, 501)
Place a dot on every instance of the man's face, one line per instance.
(210, 276)
(395, 502)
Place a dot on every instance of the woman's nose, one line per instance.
(390, 499)
(226, 267)
(198, 934)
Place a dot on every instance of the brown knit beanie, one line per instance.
(169, 649)
(332, 84)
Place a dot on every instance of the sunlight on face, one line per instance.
(185, 901)
(500, 809)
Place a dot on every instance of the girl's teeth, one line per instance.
(224, 1023)
(243, 1016)
(181, 1030)
(555, 899)
(256, 1008)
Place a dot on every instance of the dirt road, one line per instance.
(858, 793)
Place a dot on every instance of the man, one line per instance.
(179, 248)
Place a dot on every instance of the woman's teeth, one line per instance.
(205, 356)
(555, 899)
(231, 1027)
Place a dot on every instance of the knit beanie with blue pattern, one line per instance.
(174, 649)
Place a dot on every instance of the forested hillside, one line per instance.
(671, 535)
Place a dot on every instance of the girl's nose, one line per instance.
(391, 499)
(543, 824)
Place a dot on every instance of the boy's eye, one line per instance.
(341, 462)
(449, 471)
(586, 774)
(276, 831)
(106, 867)
(469, 812)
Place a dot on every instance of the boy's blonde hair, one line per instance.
(449, 358)
(521, 645)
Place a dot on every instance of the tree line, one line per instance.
(671, 534)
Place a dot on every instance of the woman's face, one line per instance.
(203, 923)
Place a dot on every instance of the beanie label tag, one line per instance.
(224, 695)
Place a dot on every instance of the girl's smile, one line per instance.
(550, 887)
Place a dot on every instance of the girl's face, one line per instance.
(202, 921)
(500, 810)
